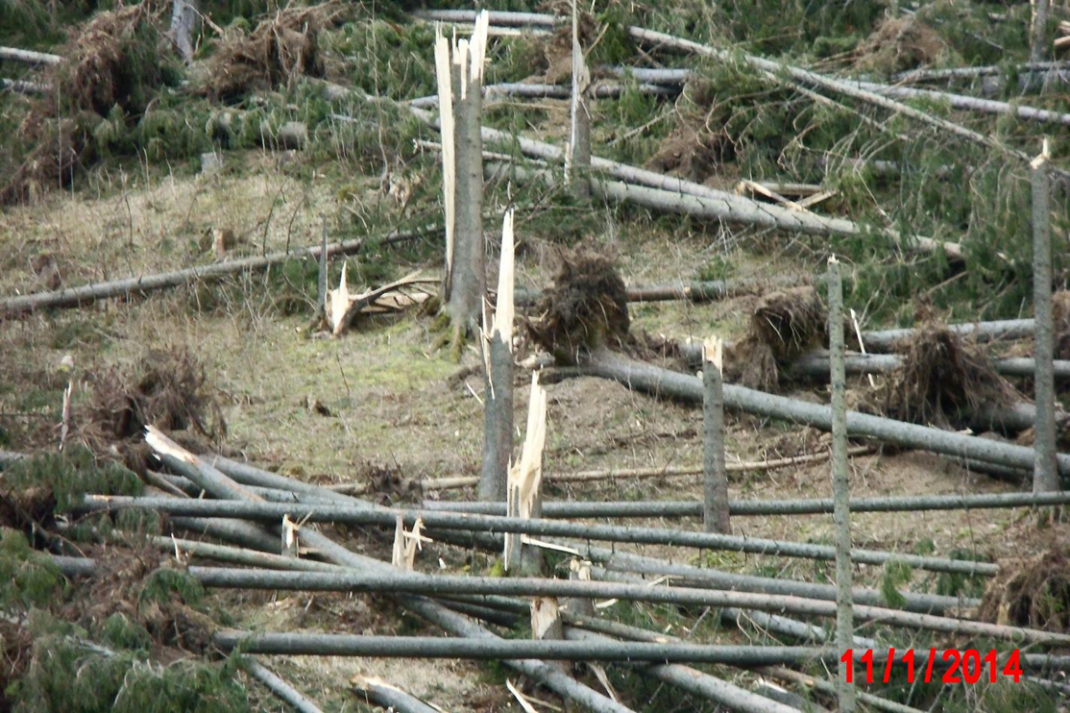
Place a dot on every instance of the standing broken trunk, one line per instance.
(840, 486)
(498, 393)
(1046, 470)
(715, 509)
(578, 156)
(184, 16)
(459, 71)
(525, 486)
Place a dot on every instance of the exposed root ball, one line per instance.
(586, 307)
(557, 51)
(900, 44)
(785, 324)
(167, 389)
(278, 50)
(942, 373)
(1034, 595)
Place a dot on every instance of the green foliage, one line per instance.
(165, 583)
(71, 474)
(895, 574)
(770, 28)
(71, 675)
(121, 632)
(38, 24)
(952, 584)
(388, 59)
(974, 36)
(27, 578)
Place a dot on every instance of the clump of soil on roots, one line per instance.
(585, 308)
(166, 389)
(114, 60)
(900, 44)
(698, 145)
(1035, 594)
(557, 50)
(942, 374)
(784, 325)
(1061, 318)
(277, 51)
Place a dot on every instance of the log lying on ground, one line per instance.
(408, 583)
(927, 75)
(697, 291)
(455, 624)
(390, 698)
(696, 682)
(21, 86)
(279, 687)
(658, 381)
(604, 90)
(13, 54)
(356, 515)
(661, 192)
(815, 363)
(886, 339)
(817, 506)
(75, 296)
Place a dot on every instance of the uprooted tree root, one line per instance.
(899, 44)
(113, 65)
(783, 326)
(942, 374)
(1035, 594)
(280, 49)
(585, 308)
(167, 389)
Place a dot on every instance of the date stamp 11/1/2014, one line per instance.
(965, 666)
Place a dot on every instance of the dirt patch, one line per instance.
(277, 51)
(166, 389)
(557, 50)
(900, 44)
(942, 374)
(784, 325)
(1035, 594)
(585, 307)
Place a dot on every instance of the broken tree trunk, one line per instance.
(754, 508)
(349, 580)
(75, 296)
(455, 624)
(655, 380)
(284, 691)
(578, 156)
(841, 489)
(498, 378)
(361, 515)
(715, 500)
(1046, 470)
(184, 17)
(1038, 37)
(13, 54)
(459, 69)
(388, 697)
(602, 90)
(525, 486)
(655, 190)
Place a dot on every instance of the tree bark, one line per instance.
(715, 501)
(389, 697)
(1046, 470)
(1039, 35)
(282, 690)
(184, 17)
(841, 488)
(579, 144)
(497, 421)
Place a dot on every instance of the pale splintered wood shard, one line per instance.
(407, 543)
(525, 477)
(343, 306)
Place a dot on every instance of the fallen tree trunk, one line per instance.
(13, 54)
(926, 75)
(407, 583)
(390, 698)
(656, 190)
(357, 515)
(815, 363)
(284, 691)
(698, 291)
(744, 508)
(20, 86)
(76, 296)
(658, 381)
(602, 90)
(886, 339)
(456, 624)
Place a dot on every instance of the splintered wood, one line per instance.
(342, 307)
(525, 477)
(407, 543)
